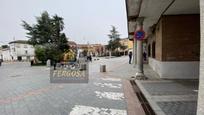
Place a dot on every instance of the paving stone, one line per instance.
(169, 88)
(179, 107)
(33, 94)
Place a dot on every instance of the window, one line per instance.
(26, 52)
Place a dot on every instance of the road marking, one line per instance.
(88, 110)
(110, 95)
(111, 79)
(110, 85)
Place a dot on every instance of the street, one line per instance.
(27, 90)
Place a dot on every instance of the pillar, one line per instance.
(200, 107)
(134, 52)
(140, 72)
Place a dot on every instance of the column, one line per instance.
(134, 52)
(140, 72)
(200, 107)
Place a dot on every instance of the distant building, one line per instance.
(124, 41)
(92, 49)
(72, 45)
(21, 50)
(5, 54)
(127, 43)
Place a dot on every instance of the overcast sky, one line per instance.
(85, 20)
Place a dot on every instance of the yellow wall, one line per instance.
(130, 44)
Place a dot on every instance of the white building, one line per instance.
(21, 50)
(5, 54)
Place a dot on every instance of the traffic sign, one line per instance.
(139, 35)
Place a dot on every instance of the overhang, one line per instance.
(152, 10)
(133, 10)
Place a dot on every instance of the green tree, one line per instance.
(48, 33)
(114, 42)
(40, 53)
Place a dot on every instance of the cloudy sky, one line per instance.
(85, 20)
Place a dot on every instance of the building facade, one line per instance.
(172, 35)
(92, 49)
(127, 43)
(166, 55)
(175, 39)
(5, 54)
(20, 50)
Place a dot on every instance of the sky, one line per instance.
(86, 21)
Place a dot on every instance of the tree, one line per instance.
(40, 53)
(47, 32)
(114, 42)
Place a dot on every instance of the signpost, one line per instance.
(139, 35)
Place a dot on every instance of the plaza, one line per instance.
(27, 90)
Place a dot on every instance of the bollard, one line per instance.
(102, 68)
(48, 63)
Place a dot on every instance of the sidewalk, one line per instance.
(166, 97)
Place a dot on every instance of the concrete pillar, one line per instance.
(139, 57)
(134, 52)
(110, 54)
(200, 107)
(140, 72)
